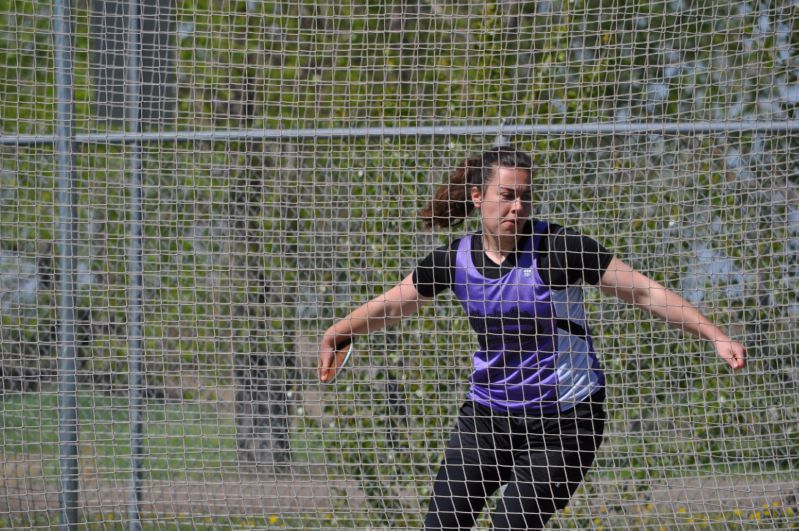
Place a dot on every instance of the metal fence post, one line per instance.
(136, 314)
(67, 239)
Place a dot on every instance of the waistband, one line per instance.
(594, 402)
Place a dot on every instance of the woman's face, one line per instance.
(505, 202)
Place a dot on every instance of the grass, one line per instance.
(182, 441)
(118, 521)
(771, 516)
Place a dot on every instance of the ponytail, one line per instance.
(452, 203)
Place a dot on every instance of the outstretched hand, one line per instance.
(327, 355)
(732, 352)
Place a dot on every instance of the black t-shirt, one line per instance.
(565, 257)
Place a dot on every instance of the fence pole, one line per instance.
(381, 131)
(67, 239)
(136, 313)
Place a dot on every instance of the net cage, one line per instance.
(191, 193)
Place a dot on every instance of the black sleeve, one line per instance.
(434, 274)
(580, 257)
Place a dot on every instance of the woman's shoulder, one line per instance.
(544, 226)
(563, 239)
(441, 255)
(557, 230)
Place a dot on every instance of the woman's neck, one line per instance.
(497, 248)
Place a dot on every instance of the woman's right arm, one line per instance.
(401, 301)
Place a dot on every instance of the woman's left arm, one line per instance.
(627, 284)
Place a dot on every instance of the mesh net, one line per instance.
(271, 172)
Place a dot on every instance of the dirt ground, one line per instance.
(22, 492)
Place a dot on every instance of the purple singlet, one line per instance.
(530, 358)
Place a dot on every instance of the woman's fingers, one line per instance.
(733, 353)
(326, 364)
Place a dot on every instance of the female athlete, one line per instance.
(534, 415)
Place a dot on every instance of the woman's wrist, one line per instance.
(332, 337)
(336, 335)
(712, 333)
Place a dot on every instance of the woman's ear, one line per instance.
(476, 196)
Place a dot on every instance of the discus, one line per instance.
(343, 354)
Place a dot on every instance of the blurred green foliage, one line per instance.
(713, 216)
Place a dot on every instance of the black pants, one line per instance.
(540, 460)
